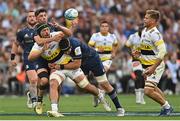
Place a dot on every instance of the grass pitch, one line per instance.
(79, 107)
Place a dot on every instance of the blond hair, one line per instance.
(154, 14)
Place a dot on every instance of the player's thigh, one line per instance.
(30, 68)
(41, 64)
(96, 67)
(32, 75)
(76, 74)
(58, 75)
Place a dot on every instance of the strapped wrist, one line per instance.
(61, 67)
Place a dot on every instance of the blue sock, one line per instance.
(114, 98)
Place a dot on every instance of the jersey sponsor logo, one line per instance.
(26, 36)
(146, 47)
(52, 55)
(78, 51)
(27, 66)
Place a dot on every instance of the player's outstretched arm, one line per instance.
(65, 30)
(41, 41)
(36, 52)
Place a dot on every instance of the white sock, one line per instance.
(54, 107)
(142, 95)
(166, 105)
(138, 95)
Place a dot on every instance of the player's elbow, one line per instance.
(69, 33)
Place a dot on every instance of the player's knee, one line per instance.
(102, 78)
(55, 78)
(43, 86)
(149, 87)
(83, 83)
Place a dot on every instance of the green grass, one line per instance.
(83, 103)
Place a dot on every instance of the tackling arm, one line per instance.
(75, 64)
(66, 31)
(41, 41)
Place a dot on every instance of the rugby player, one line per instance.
(25, 40)
(134, 43)
(54, 55)
(151, 56)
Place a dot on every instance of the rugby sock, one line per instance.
(54, 107)
(33, 99)
(166, 105)
(142, 95)
(138, 95)
(40, 98)
(114, 98)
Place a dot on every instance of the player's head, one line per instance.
(104, 27)
(151, 18)
(41, 15)
(65, 45)
(31, 19)
(43, 30)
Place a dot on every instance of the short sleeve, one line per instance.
(115, 41)
(157, 38)
(77, 53)
(92, 40)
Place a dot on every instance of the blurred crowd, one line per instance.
(124, 15)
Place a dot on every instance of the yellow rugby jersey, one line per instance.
(105, 43)
(152, 46)
(53, 54)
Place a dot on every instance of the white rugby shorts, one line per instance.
(72, 74)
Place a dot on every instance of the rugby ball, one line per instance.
(71, 14)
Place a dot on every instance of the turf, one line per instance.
(79, 107)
